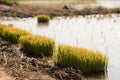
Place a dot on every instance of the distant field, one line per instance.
(54, 3)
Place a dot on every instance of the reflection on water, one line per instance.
(44, 25)
(104, 3)
(99, 33)
(99, 77)
(107, 3)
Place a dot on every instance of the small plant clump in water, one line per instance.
(43, 18)
(86, 60)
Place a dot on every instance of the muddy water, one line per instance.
(96, 32)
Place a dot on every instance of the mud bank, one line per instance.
(10, 11)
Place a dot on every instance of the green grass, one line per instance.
(8, 2)
(37, 46)
(86, 60)
(43, 18)
(11, 34)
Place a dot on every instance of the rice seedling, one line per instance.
(11, 34)
(37, 46)
(43, 18)
(1, 29)
(84, 59)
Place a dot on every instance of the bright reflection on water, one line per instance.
(101, 33)
(103, 3)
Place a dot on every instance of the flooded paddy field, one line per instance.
(96, 32)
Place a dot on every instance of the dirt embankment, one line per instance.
(23, 12)
(11, 11)
(19, 66)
